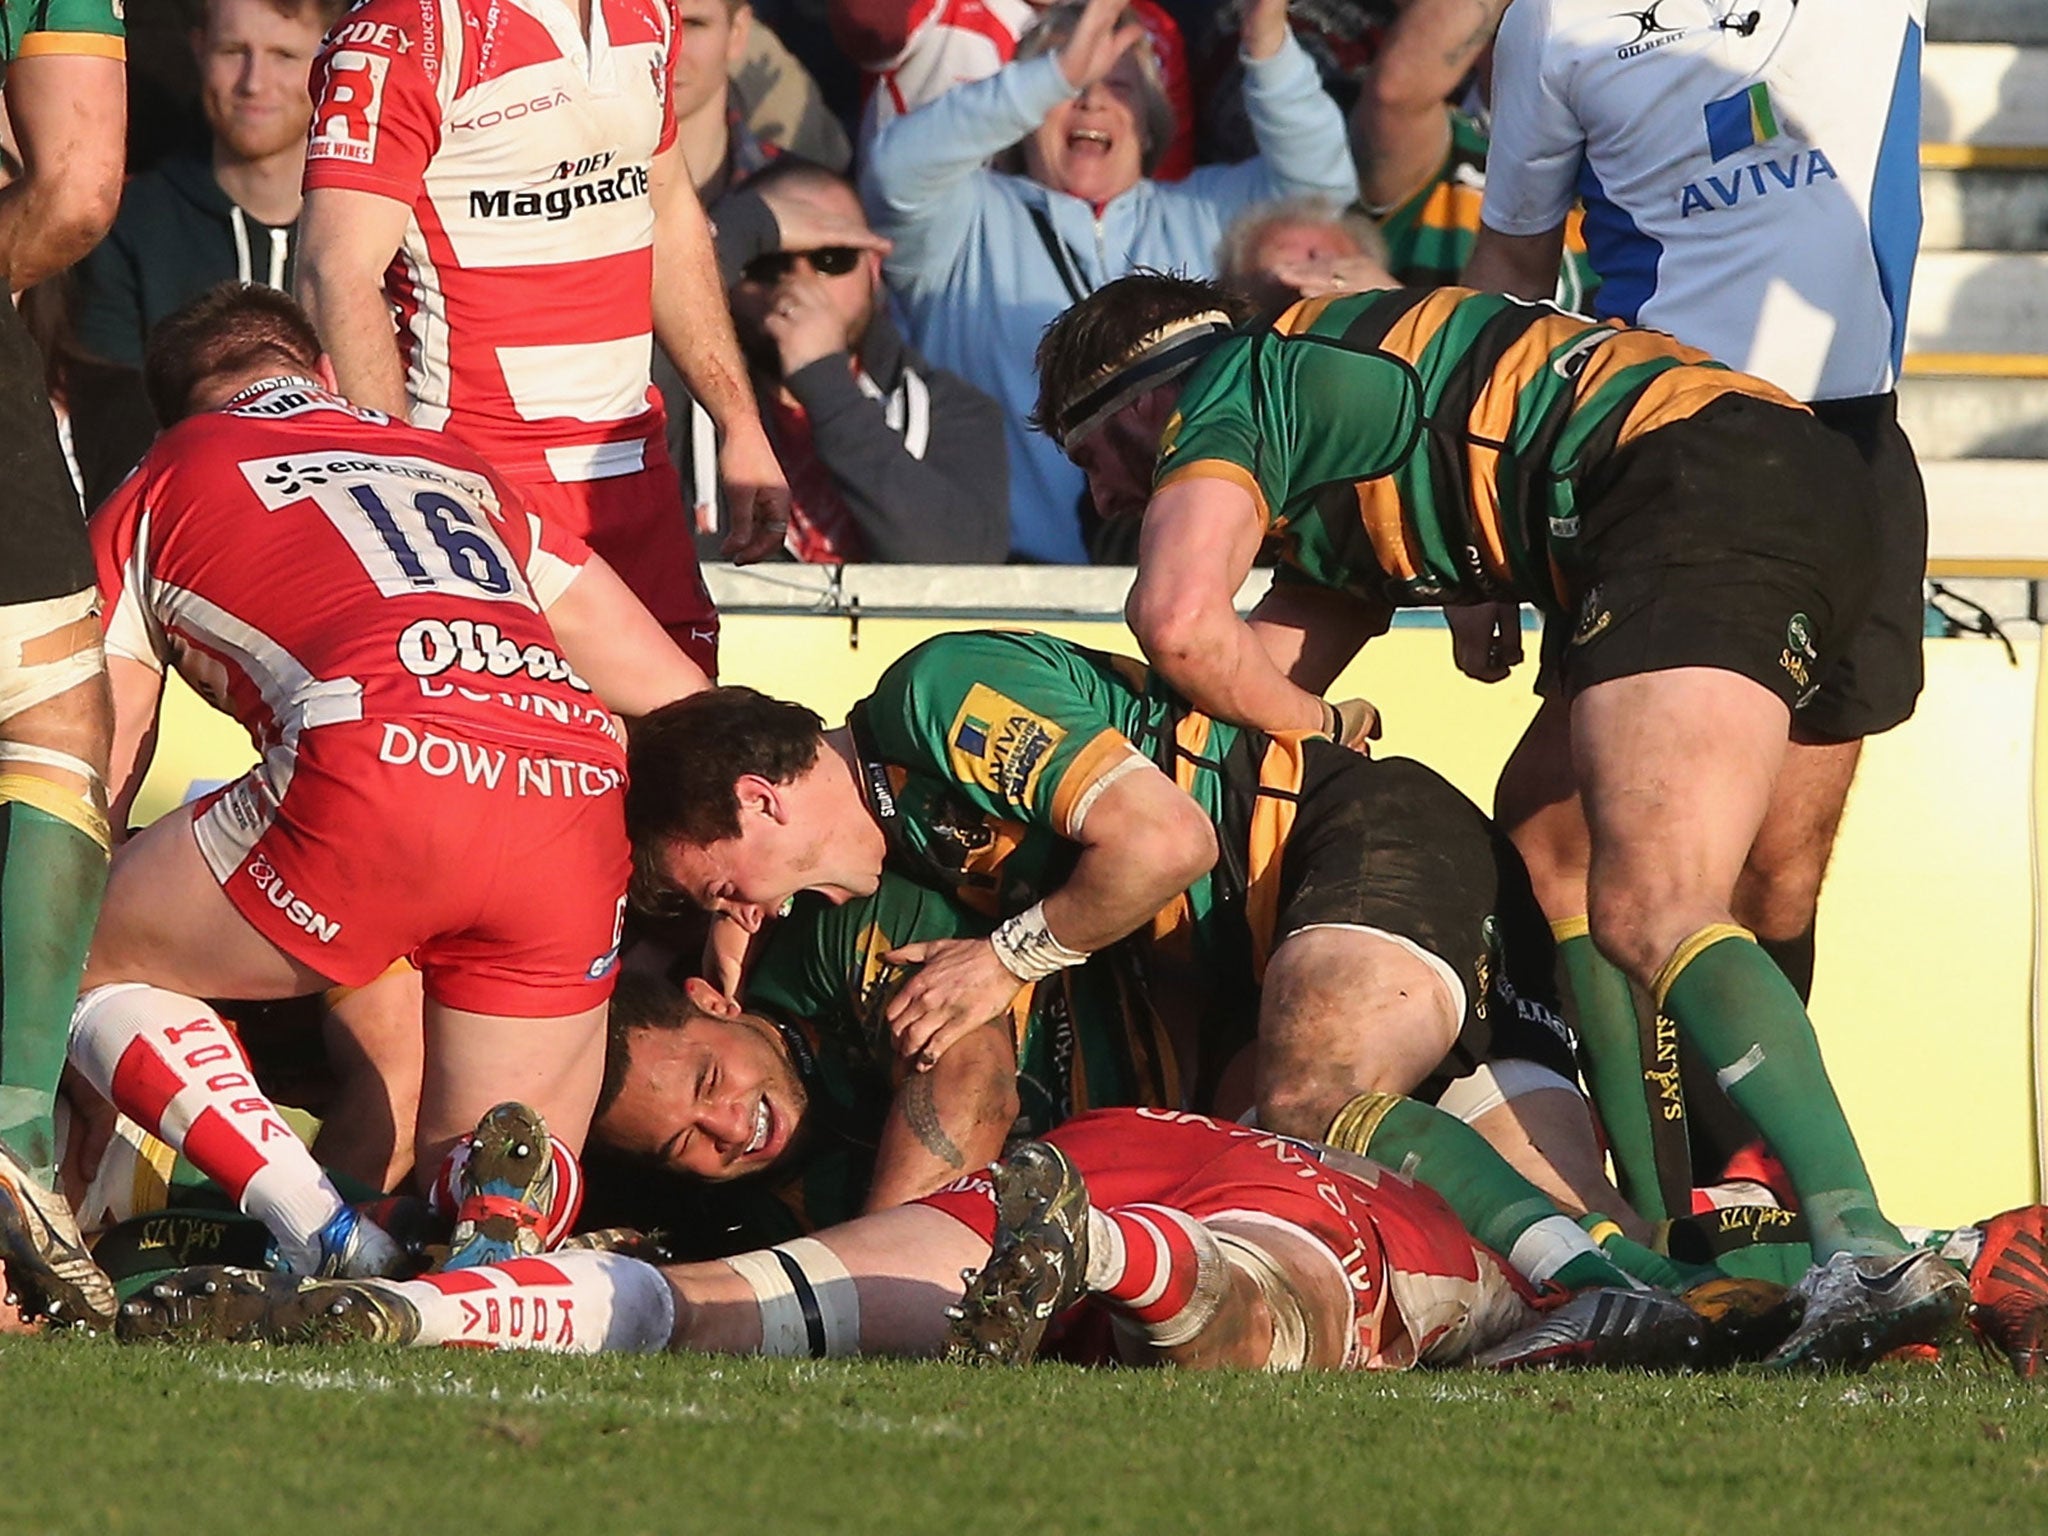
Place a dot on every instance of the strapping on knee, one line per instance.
(30, 632)
(809, 1302)
(83, 810)
(1291, 1341)
(1494, 1085)
(1689, 950)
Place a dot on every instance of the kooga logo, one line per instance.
(560, 202)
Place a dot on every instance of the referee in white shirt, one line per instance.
(1751, 182)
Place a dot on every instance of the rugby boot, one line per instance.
(2009, 1288)
(46, 1259)
(504, 1190)
(647, 1247)
(1610, 1328)
(206, 1304)
(351, 1246)
(1745, 1318)
(1037, 1265)
(342, 1312)
(1860, 1309)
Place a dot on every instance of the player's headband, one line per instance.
(1165, 354)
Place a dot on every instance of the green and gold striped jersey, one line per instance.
(1431, 232)
(1086, 1037)
(982, 754)
(30, 28)
(1423, 446)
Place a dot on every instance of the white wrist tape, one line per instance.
(1027, 948)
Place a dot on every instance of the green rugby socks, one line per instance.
(1736, 1006)
(1633, 1080)
(1497, 1205)
(53, 870)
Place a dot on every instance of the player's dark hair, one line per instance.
(642, 1000)
(684, 764)
(1110, 324)
(228, 329)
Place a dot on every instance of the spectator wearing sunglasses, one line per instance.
(889, 459)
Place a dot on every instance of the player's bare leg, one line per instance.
(1344, 1012)
(167, 938)
(1676, 769)
(1778, 892)
(374, 1043)
(878, 1285)
(1547, 1136)
(56, 728)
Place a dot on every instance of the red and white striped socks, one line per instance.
(172, 1066)
(569, 1303)
(1158, 1268)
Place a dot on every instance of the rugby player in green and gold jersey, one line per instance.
(1699, 531)
(1359, 919)
(67, 106)
(800, 1080)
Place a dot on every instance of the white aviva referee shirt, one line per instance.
(1750, 171)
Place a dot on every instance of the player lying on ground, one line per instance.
(436, 778)
(1362, 911)
(1446, 447)
(1204, 1244)
(2002, 1256)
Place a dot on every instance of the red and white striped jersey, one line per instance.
(302, 562)
(524, 284)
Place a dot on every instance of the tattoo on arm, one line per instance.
(921, 1111)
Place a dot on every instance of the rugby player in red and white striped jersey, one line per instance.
(407, 649)
(504, 177)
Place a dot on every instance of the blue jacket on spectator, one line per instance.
(979, 281)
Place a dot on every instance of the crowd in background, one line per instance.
(978, 191)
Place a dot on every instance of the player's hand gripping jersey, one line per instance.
(524, 283)
(366, 599)
(1086, 1037)
(1428, 446)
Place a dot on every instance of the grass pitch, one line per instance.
(329, 1442)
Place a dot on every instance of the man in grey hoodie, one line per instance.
(191, 223)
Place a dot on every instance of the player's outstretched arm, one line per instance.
(69, 114)
(1200, 537)
(948, 1121)
(618, 647)
(347, 238)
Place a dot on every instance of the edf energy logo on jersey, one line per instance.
(1747, 120)
(1000, 745)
